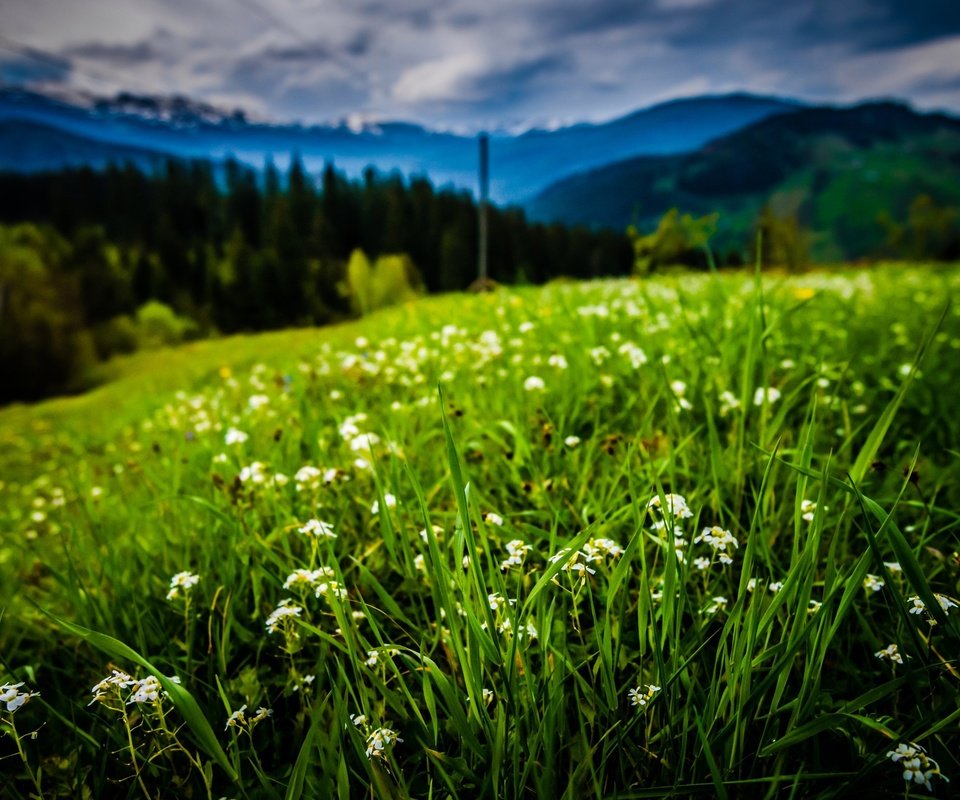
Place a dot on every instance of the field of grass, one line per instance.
(694, 536)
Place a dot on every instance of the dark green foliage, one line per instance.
(236, 252)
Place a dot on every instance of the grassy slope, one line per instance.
(751, 689)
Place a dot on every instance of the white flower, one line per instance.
(534, 384)
(558, 361)
(14, 699)
(718, 538)
(572, 441)
(389, 501)
(891, 652)
(182, 583)
(640, 695)
(873, 583)
(307, 579)
(287, 610)
(235, 436)
(767, 395)
(237, 719)
(145, 691)
(379, 741)
(676, 506)
(493, 519)
(918, 767)
(317, 528)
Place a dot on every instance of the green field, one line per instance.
(693, 536)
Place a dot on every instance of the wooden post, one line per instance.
(484, 142)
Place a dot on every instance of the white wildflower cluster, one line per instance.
(309, 580)
(672, 506)
(181, 585)
(873, 583)
(575, 562)
(767, 395)
(918, 607)
(283, 615)
(124, 689)
(641, 695)
(808, 510)
(633, 354)
(375, 657)
(235, 436)
(12, 698)
(493, 519)
(891, 653)
(716, 604)
(722, 541)
(239, 720)
(918, 767)
(378, 740)
(597, 549)
(517, 550)
(310, 478)
(318, 529)
(534, 384)
(389, 500)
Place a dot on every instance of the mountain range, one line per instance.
(38, 132)
(832, 169)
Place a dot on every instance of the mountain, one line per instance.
(47, 148)
(521, 165)
(834, 169)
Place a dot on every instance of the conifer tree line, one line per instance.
(95, 262)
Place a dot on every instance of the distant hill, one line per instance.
(46, 148)
(83, 129)
(836, 169)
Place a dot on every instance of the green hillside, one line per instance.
(836, 170)
(689, 536)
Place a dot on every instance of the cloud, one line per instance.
(478, 62)
(25, 66)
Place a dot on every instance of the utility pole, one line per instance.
(484, 142)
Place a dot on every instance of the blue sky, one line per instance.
(465, 64)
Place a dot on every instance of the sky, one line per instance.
(469, 64)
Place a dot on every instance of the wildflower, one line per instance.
(493, 519)
(420, 563)
(891, 652)
(317, 528)
(701, 563)
(719, 539)
(919, 607)
(286, 610)
(640, 696)
(531, 629)
(237, 719)
(261, 715)
(918, 767)
(145, 691)
(379, 741)
(235, 436)
(534, 384)
(893, 566)
(306, 579)
(487, 696)
(558, 361)
(572, 441)
(775, 587)
(716, 604)
(182, 583)
(676, 506)
(807, 509)
(388, 500)
(728, 402)
(872, 583)
(813, 606)
(374, 656)
(517, 550)
(634, 354)
(767, 395)
(358, 719)
(14, 699)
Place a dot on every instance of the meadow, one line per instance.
(694, 535)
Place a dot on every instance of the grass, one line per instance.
(665, 568)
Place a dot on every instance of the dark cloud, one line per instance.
(116, 54)
(474, 62)
(25, 66)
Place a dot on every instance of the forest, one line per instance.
(96, 263)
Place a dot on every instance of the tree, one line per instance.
(677, 240)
